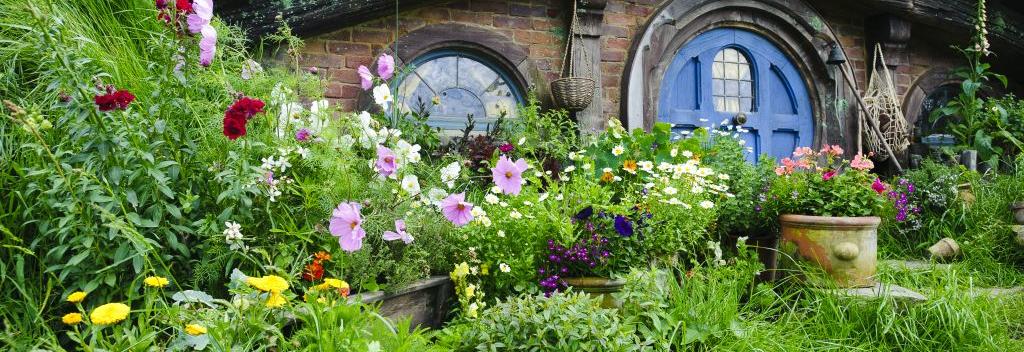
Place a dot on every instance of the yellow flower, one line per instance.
(484, 269)
(470, 290)
(72, 318)
(109, 313)
(268, 283)
(195, 329)
(76, 297)
(275, 300)
(629, 166)
(461, 270)
(155, 281)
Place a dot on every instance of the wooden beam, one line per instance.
(307, 17)
(1006, 24)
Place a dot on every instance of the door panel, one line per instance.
(726, 71)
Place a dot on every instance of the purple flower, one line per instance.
(508, 175)
(457, 210)
(400, 234)
(623, 226)
(507, 147)
(365, 77)
(346, 223)
(303, 135)
(385, 66)
(584, 214)
(207, 45)
(385, 161)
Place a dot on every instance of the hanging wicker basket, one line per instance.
(573, 93)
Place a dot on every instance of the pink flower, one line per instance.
(828, 175)
(401, 234)
(803, 151)
(837, 150)
(346, 224)
(385, 161)
(508, 175)
(201, 17)
(365, 77)
(780, 171)
(804, 163)
(385, 66)
(456, 210)
(861, 163)
(207, 45)
(878, 186)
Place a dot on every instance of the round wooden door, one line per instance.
(734, 76)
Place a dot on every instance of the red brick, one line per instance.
(355, 61)
(483, 19)
(619, 19)
(526, 10)
(351, 91)
(547, 24)
(609, 81)
(334, 90)
(496, 6)
(321, 60)
(639, 11)
(348, 48)
(502, 21)
(344, 35)
(436, 14)
(363, 35)
(545, 51)
(535, 37)
(343, 75)
(613, 55)
(615, 31)
(616, 43)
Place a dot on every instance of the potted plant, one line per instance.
(829, 215)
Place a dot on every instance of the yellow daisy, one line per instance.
(268, 283)
(155, 281)
(109, 313)
(195, 329)
(76, 297)
(275, 300)
(72, 318)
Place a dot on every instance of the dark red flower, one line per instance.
(117, 100)
(314, 271)
(234, 126)
(507, 147)
(183, 5)
(247, 106)
(161, 4)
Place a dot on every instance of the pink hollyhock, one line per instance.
(201, 17)
(400, 234)
(861, 163)
(508, 175)
(207, 45)
(878, 186)
(365, 77)
(385, 66)
(385, 161)
(456, 210)
(346, 224)
(828, 175)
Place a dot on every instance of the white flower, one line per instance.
(280, 94)
(450, 173)
(674, 152)
(495, 189)
(477, 211)
(382, 96)
(291, 115)
(515, 215)
(501, 233)
(607, 169)
(319, 116)
(559, 197)
(250, 67)
(538, 174)
(485, 220)
(522, 141)
(707, 204)
(723, 177)
(618, 150)
(569, 169)
(407, 153)
(717, 249)
(670, 190)
(436, 195)
(646, 165)
(504, 268)
(543, 196)
(303, 152)
(586, 166)
(572, 155)
(687, 153)
(411, 184)
(233, 235)
(490, 198)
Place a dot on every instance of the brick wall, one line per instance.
(623, 19)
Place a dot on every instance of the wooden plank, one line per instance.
(1006, 24)
(307, 17)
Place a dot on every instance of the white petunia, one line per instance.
(450, 173)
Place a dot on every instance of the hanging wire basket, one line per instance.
(573, 92)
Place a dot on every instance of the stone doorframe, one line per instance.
(793, 26)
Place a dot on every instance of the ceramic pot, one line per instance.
(1017, 209)
(1018, 231)
(598, 287)
(944, 249)
(839, 251)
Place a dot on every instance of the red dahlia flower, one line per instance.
(115, 100)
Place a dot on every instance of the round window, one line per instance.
(452, 85)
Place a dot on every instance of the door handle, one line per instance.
(740, 119)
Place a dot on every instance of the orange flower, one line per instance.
(630, 166)
(322, 256)
(607, 176)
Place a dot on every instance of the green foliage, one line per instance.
(744, 214)
(825, 185)
(347, 327)
(562, 322)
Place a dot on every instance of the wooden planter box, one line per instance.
(425, 301)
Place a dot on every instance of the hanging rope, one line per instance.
(572, 92)
(883, 107)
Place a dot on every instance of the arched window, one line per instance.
(933, 101)
(451, 84)
(732, 82)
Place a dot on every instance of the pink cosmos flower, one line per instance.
(385, 66)
(861, 163)
(385, 161)
(508, 175)
(346, 224)
(201, 17)
(401, 234)
(456, 209)
(207, 45)
(878, 186)
(828, 175)
(365, 77)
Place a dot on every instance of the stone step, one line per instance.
(880, 290)
(914, 265)
(996, 292)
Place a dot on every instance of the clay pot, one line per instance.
(966, 193)
(1018, 212)
(944, 249)
(845, 249)
(1018, 230)
(598, 287)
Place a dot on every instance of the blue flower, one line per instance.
(585, 213)
(623, 226)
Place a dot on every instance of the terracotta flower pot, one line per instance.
(845, 249)
(1018, 212)
(598, 286)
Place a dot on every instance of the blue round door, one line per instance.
(735, 76)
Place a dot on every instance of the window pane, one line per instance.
(732, 84)
(464, 86)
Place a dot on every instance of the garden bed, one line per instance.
(426, 303)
